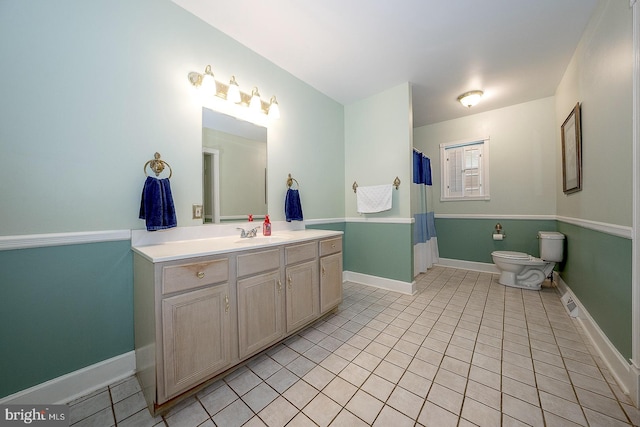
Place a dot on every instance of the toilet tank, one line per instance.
(551, 245)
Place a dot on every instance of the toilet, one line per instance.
(520, 270)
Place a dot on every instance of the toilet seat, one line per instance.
(516, 256)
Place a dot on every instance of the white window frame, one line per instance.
(449, 191)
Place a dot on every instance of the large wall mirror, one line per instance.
(234, 165)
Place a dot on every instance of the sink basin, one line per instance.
(261, 240)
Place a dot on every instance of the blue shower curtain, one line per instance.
(425, 243)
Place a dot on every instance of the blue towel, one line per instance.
(292, 206)
(156, 206)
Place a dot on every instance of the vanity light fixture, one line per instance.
(469, 99)
(207, 83)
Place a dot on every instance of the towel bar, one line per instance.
(396, 183)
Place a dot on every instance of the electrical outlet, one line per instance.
(197, 211)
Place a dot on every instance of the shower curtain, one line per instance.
(425, 243)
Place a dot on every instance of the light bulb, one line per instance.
(208, 84)
(233, 94)
(256, 103)
(274, 109)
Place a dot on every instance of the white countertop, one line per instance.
(182, 249)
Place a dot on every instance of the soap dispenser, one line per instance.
(266, 227)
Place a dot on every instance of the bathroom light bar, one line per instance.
(232, 93)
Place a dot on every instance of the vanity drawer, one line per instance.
(330, 246)
(257, 262)
(182, 277)
(301, 252)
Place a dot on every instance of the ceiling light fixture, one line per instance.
(469, 99)
(207, 84)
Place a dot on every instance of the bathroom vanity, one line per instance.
(204, 306)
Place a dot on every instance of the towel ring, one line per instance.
(157, 165)
(291, 180)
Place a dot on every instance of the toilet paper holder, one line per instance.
(498, 232)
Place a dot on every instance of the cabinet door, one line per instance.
(259, 312)
(301, 294)
(196, 337)
(330, 281)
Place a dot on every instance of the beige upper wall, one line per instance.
(526, 139)
(522, 158)
(378, 148)
(600, 78)
(96, 88)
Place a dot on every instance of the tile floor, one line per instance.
(463, 351)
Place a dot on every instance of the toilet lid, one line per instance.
(511, 255)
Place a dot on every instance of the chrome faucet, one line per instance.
(248, 234)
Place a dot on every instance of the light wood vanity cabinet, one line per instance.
(196, 323)
(196, 337)
(302, 290)
(259, 301)
(196, 318)
(185, 322)
(330, 274)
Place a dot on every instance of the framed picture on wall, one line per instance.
(572, 152)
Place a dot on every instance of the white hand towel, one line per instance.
(374, 198)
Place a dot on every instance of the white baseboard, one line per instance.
(468, 265)
(380, 282)
(625, 374)
(76, 384)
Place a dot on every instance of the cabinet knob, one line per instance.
(200, 274)
(323, 270)
(289, 281)
(279, 286)
(226, 303)
(333, 245)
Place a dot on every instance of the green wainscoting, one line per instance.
(377, 249)
(471, 239)
(63, 308)
(597, 268)
(380, 249)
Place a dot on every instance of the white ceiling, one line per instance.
(513, 50)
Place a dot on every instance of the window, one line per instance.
(465, 170)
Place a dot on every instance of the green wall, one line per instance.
(471, 239)
(597, 268)
(379, 249)
(63, 308)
